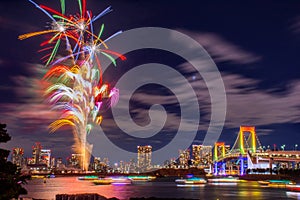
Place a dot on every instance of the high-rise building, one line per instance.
(36, 153)
(184, 158)
(202, 156)
(100, 165)
(97, 163)
(132, 166)
(45, 157)
(52, 164)
(144, 157)
(17, 156)
(59, 163)
(105, 161)
(75, 160)
(30, 161)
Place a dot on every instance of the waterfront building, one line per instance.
(100, 165)
(173, 163)
(59, 163)
(97, 163)
(105, 162)
(52, 163)
(30, 161)
(202, 156)
(132, 166)
(184, 158)
(144, 158)
(74, 160)
(36, 153)
(45, 157)
(121, 167)
(17, 157)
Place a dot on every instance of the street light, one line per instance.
(283, 147)
(296, 145)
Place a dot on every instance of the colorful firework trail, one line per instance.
(75, 80)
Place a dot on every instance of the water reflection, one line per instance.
(70, 185)
(294, 195)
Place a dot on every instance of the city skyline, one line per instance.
(256, 56)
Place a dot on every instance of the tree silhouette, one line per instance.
(11, 179)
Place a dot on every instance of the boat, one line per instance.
(103, 181)
(112, 180)
(276, 183)
(121, 181)
(294, 188)
(263, 183)
(87, 178)
(294, 195)
(228, 179)
(191, 181)
(37, 176)
(141, 178)
(50, 176)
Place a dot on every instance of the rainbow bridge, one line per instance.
(248, 153)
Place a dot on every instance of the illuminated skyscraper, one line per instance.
(132, 165)
(17, 156)
(45, 157)
(59, 163)
(75, 160)
(52, 165)
(202, 156)
(144, 157)
(184, 157)
(36, 153)
(97, 163)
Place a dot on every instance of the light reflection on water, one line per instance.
(70, 185)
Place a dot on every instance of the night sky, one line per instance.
(254, 45)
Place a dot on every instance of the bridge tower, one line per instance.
(241, 144)
(219, 150)
(252, 137)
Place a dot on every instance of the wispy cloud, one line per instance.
(246, 105)
(17, 25)
(258, 107)
(295, 25)
(223, 50)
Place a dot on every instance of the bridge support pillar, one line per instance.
(223, 168)
(271, 165)
(293, 165)
(241, 165)
(216, 168)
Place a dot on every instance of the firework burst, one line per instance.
(75, 81)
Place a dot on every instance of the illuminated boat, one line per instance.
(37, 176)
(228, 179)
(50, 176)
(121, 181)
(294, 188)
(103, 181)
(294, 195)
(276, 183)
(141, 178)
(191, 181)
(263, 183)
(113, 181)
(87, 178)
